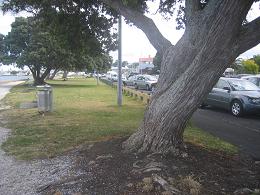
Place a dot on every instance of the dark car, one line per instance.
(239, 76)
(239, 96)
(253, 79)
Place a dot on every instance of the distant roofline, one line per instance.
(149, 59)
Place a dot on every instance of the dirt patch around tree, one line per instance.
(106, 169)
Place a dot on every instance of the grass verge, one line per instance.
(201, 138)
(83, 113)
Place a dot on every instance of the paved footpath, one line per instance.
(23, 178)
(5, 87)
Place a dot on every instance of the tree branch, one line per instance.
(191, 7)
(144, 23)
(249, 36)
(45, 73)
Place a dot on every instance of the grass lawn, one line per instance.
(83, 113)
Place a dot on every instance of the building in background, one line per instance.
(145, 65)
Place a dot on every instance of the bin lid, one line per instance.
(44, 87)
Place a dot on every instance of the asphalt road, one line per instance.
(243, 132)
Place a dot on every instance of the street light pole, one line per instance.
(119, 82)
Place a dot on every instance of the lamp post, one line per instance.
(119, 81)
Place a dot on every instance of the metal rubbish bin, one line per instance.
(44, 98)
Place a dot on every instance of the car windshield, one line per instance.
(132, 78)
(150, 78)
(243, 85)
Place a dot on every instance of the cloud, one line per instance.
(5, 22)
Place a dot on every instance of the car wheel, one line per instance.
(236, 108)
(147, 88)
(136, 87)
(152, 88)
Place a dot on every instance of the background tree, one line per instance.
(1, 47)
(82, 32)
(30, 44)
(125, 63)
(256, 58)
(238, 66)
(103, 63)
(215, 35)
(250, 66)
(157, 60)
(37, 44)
(115, 63)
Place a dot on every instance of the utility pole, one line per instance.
(119, 81)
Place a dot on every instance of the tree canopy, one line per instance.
(250, 66)
(256, 58)
(42, 47)
(1, 47)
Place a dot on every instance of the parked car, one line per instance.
(112, 75)
(133, 74)
(147, 82)
(239, 76)
(253, 79)
(130, 81)
(239, 96)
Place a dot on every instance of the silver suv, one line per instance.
(147, 82)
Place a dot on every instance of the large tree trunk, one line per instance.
(38, 77)
(215, 35)
(38, 81)
(65, 75)
(189, 71)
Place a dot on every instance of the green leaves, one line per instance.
(250, 66)
(256, 58)
(1, 47)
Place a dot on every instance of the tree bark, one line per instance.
(38, 77)
(171, 108)
(189, 70)
(51, 77)
(65, 74)
(38, 81)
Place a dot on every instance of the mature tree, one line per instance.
(30, 44)
(250, 66)
(80, 32)
(39, 45)
(215, 34)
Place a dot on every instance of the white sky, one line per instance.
(134, 43)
